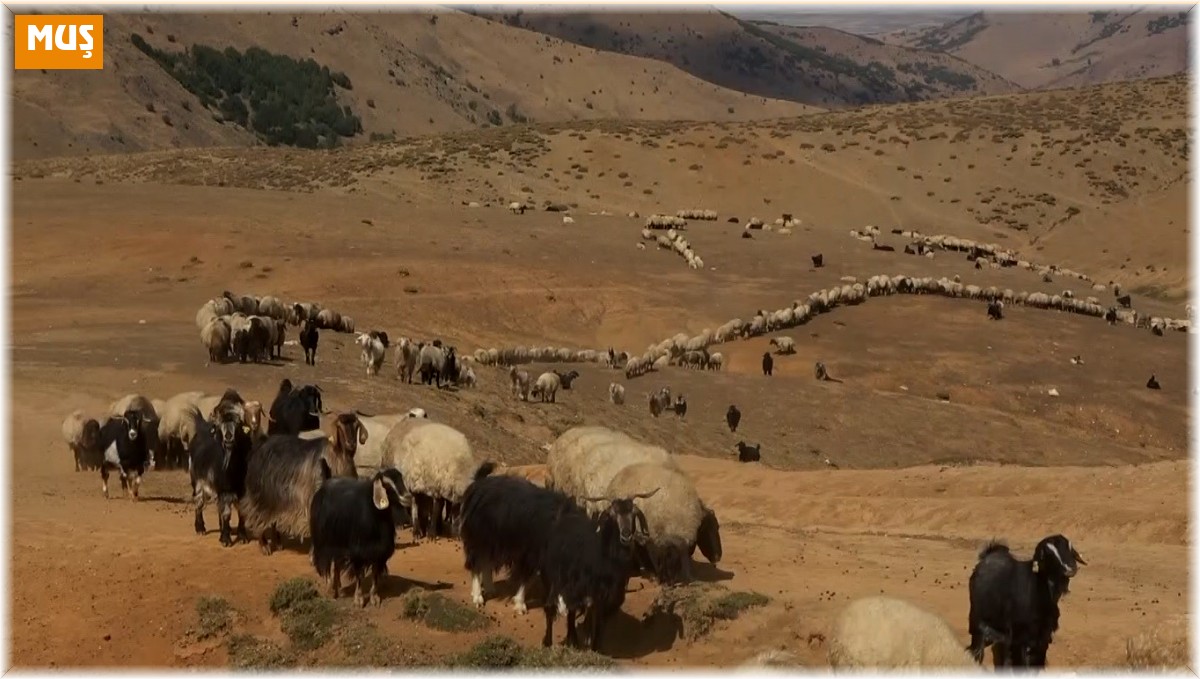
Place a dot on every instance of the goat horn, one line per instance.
(1078, 556)
(644, 495)
(362, 414)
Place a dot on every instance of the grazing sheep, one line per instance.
(218, 454)
(438, 464)
(284, 473)
(215, 336)
(660, 401)
(82, 435)
(768, 364)
(584, 460)
(676, 518)
(616, 393)
(520, 383)
(546, 387)
(748, 453)
(374, 347)
(882, 632)
(732, 417)
(784, 345)
(353, 527)
(309, 338)
(1014, 604)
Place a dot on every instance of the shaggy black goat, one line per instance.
(768, 364)
(295, 410)
(1125, 300)
(285, 471)
(218, 456)
(567, 378)
(505, 523)
(818, 261)
(353, 527)
(126, 448)
(309, 337)
(586, 568)
(732, 417)
(995, 310)
(748, 453)
(1014, 604)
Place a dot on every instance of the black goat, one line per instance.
(732, 417)
(884, 248)
(1152, 383)
(768, 364)
(586, 568)
(748, 453)
(995, 310)
(1014, 604)
(218, 456)
(505, 523)
(126, 448)
(295, 410)
(309, 337)
(818, 261)
(680, 406)
(1125, 300)
(567, 378)
(353, 527)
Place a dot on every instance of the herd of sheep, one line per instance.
(603, 506)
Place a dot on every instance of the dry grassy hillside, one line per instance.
(1042, 50)
(1059, 167)
(411, 73)
(823, 67)
(941, 430)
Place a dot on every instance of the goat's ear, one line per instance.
(362, 432)
(379, 494)
(1035, 565)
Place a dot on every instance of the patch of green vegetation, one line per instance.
(502, 651)
(442, 613)
(700, 605)
(932, 73)
(249, 652)
(307, 619)
(944, 40)
(282, 100)
(214, 616)
(362, 645)
(1163, 23)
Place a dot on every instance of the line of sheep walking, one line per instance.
(249, 328)
(676, 242)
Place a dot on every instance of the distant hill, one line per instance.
(408, 74)
(1054, 50)
(818, 66)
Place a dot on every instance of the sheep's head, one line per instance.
(1055, 557)
(388, 492)
(630, 521)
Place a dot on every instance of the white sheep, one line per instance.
(437, 463)
(466, 377)
(584, 460)
(546, 387)
(82, 435)
(784, 345)
(676, 518)
(516, 207)
(616, 393)
(568, 220)
(882, 632)
(379, 428)
(178, 424)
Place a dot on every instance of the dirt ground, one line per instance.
(106, 280)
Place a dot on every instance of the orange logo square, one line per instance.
(58, 41)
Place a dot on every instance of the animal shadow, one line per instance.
(707, 572)
(391, 586)
(627, 637)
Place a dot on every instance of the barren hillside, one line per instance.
(1044, 50)
(823, 67)
(410, 73)
(940, 429)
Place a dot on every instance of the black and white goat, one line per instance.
(585, 568)
(126, 449)
(217, 459)
(1014, 604)
(352, 523)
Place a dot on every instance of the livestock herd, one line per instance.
(604, 506)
